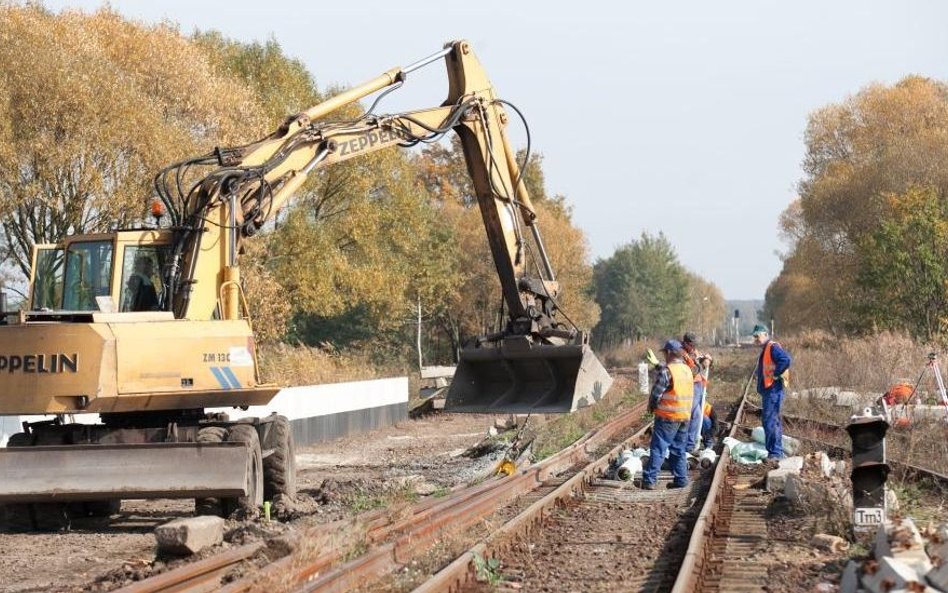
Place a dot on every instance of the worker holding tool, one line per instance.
(700, 364)
(773, 375)
(670, 401)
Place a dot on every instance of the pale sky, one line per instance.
(681, 117)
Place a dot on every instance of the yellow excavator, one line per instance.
(148, 327)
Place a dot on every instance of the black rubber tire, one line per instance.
(101, 508)
(209, 506)
(51, 516)
(279, 468)
(19, 518)
(246, 433)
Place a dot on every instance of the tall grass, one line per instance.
(870, 364)
(301, 365)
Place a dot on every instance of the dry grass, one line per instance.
(559, 432)
(625, 355)
(869, 364)
(300, 365)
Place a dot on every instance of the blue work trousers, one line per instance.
(707, 438)
(668, 438)
(694, 427)
(773, 425)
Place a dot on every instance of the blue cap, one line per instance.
(759, 329)
(672, 346)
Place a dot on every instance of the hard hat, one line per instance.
(760, 329)
(672, 346)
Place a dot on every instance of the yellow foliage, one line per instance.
(880, 142)
(92, 105)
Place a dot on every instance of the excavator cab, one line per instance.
(103, 273)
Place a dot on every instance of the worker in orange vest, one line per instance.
(773, 368)
(670, 401)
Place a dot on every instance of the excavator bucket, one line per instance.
(539, 379)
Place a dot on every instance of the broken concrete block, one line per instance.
(914, 557)
(880, 547)
(937, 544)
(905, 535)
(826, 465)
(777, 479)
(793, 463)
(890, 576)
(849, 582)
(190, 535)
(938, 577)
(793, 488)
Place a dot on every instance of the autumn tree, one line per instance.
(473, 307)
(903, 273)
(705, 307)
(880, 142)
(91, 106)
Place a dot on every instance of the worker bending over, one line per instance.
(670, 401)
(709, 425)
(772, 375)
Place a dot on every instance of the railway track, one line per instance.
(353, 553)
(562, 527)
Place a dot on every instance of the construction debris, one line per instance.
(904, 558)
(189, 535)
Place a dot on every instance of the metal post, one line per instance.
(420, 365)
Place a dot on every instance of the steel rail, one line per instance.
(203, 575)
(428, 521)
(692, 565)
(460, 572)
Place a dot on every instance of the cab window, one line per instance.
(142, 287)
(47, 279)
(88, 274)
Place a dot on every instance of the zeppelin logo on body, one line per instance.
(39, 363)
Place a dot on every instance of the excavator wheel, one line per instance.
(209, 506)
(95, 508)
(279, 467)
(51, 516)
(246, 433)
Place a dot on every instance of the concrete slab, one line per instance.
(189, 535)
(916, 558)
(794, 488)
(938, 577)
(849, 583)
(891, 575)
(777, 479)
(793, 463)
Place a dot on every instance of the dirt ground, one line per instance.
(337, 479)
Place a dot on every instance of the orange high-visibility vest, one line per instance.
(675, 403)
(768, 366)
